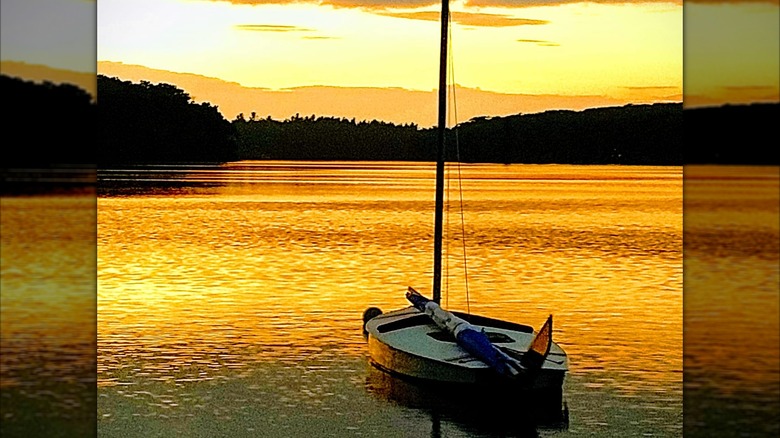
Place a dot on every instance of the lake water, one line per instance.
(229, 298)
(732, 301)
(48, 315)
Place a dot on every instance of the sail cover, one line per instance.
(467, 336)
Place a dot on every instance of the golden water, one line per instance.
(48, 315)
(255, 276)
(229, 297)
(732, 301)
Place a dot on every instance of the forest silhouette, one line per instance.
(46, 123)
(145, 123)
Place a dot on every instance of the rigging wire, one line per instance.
(454, 124)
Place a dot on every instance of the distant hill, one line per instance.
(732, 134)
(629, 134)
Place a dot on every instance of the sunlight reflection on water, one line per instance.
(267, 278)
(47, 308)
(732, 300)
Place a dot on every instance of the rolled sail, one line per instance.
(468, 337)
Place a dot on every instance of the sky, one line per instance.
(623, 52)
(551, 52)
(570, 49)
(56, 33)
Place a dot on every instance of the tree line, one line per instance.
(160, 123)
(331, 138)
(46, 124)
(642, 134)
(144, 122)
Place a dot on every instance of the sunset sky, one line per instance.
(551, 52)
(623, 52)
(568, 49)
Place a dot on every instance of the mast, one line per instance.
(438, 234)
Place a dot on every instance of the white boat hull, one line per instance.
(406, 342)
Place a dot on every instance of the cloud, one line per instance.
(283, 28)
(653, 88)
(272, 28)
(353, 4)
(516, 4)
(734, 2)
(374, 5)
(755, 93)
(753, 88)
(467, 18)
(732, 95)
(540, 43)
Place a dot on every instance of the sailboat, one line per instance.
(424, 341)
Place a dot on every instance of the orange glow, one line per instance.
(364, 103)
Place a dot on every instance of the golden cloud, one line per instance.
(407, 4)
(373, 5)
(467, 18)
(540, 42)
(272, 28)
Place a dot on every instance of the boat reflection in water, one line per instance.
(474, 410)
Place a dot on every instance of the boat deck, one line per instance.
(407, 342)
